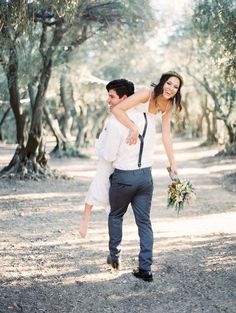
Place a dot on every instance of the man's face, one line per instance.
(113, 98)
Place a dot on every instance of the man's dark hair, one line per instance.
(121, 86)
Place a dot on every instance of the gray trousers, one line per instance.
(135, 187)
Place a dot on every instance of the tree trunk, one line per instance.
(2, 121)
(211, 132)
(54, 126)
(31, 161)
(186, 124)
(221, 114)
(82, 128)
(62, 130)
(199, 124)
(12, 79)
(67, 100)
(231, 133)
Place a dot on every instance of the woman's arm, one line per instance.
(139, 97)
(167, 141)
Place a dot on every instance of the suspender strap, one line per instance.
(141, 137)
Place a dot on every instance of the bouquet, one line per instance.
(180, 191)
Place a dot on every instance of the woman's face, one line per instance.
(171, 87)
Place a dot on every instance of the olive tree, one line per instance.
(48, 30)
(214, 25)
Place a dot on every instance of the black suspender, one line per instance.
(141, 137)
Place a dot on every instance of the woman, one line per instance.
(164, 98)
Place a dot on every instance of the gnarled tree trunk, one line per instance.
(12, 79)
(2, 121)
(210, 120)
(30, 160)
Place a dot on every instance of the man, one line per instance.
(131, 183)
(118, 90)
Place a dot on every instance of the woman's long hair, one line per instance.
(158, 89)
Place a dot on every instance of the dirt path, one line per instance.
(46, 267)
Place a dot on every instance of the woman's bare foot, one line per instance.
(83, 228)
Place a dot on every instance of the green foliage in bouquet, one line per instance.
(180, 191)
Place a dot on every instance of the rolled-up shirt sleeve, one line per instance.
(111, 141)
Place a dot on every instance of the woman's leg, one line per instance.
(83, 228)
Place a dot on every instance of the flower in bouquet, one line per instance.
(180, 191)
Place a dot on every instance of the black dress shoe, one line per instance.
(144, 275)
(114, 263)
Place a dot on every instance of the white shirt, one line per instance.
(112, 144)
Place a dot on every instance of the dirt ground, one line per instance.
(46, 267)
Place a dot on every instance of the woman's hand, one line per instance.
(173, 173)
(133, 136)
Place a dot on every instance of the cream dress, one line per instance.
(98, 193)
